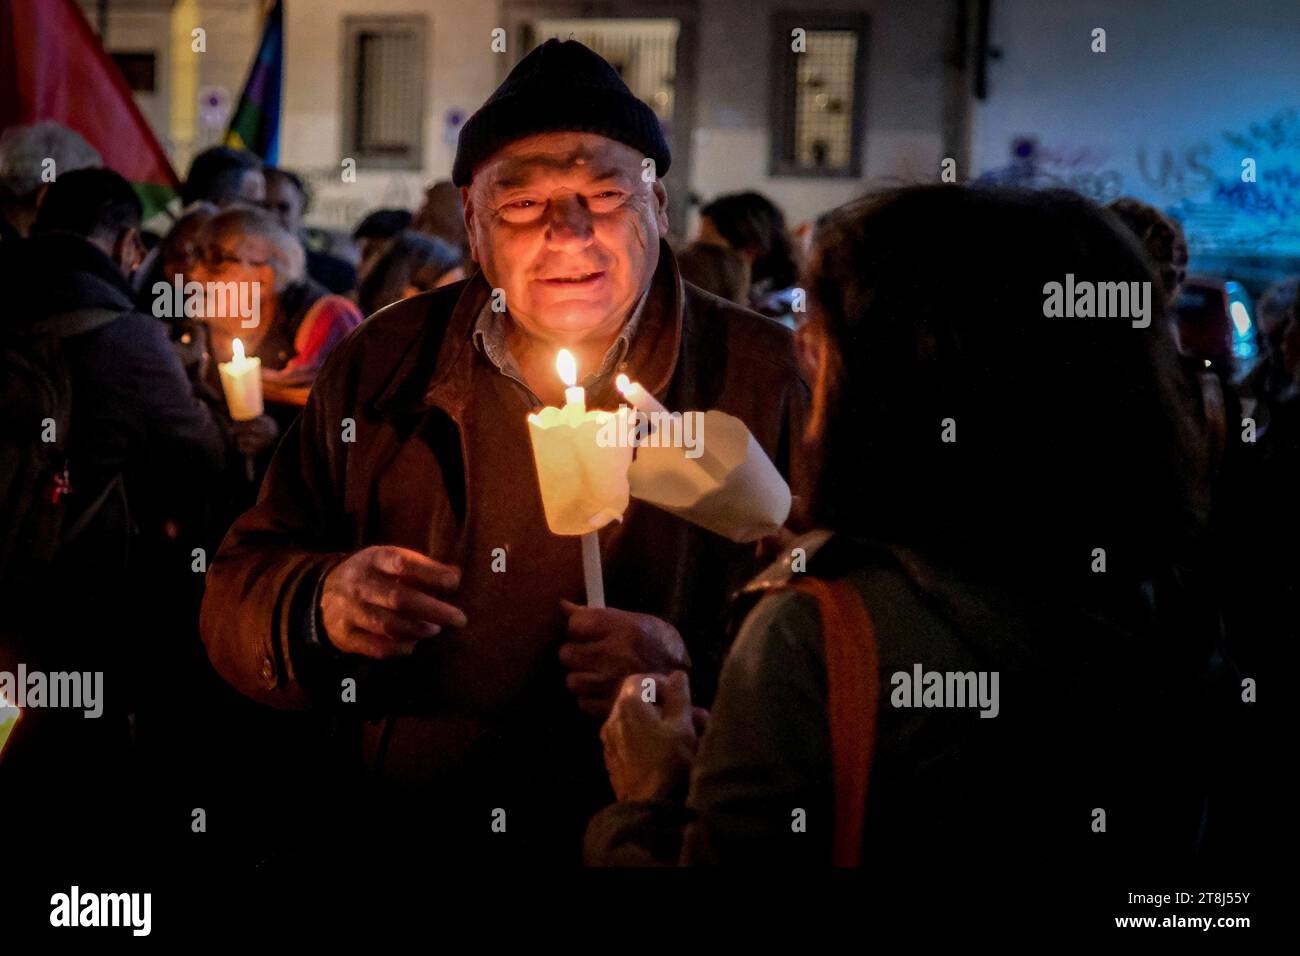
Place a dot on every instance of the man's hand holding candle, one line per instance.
(605, 645)
(384, 599)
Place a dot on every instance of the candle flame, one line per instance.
(623, 383)
(239, 352)
(566, 366)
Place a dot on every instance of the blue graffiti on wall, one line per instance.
(1200, 184)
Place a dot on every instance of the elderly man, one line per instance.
(25, 151)
(398, 569)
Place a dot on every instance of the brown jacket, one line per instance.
(440, 461)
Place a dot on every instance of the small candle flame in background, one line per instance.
(238, 358)
(565, 365)
(637, 394)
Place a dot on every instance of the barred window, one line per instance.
(383, 123)
(643, 51)
(818, 96)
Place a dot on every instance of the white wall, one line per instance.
(730, 145)
(1185, 90)
(233, 30)
(144, 29)
(460, 73)
(904, 101)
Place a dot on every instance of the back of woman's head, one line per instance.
(751, 223)
(717, 269)
(412, 260)
(1063, 435)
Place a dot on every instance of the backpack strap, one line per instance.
(853, 693)
(67, 324)
(117, 484)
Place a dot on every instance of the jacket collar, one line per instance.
(655, 350)
(63, 272)
(651, 358)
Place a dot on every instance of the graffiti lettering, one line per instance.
(1279, 131)
(1175, 175)
(1255, 201)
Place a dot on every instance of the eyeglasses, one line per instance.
(215, 257)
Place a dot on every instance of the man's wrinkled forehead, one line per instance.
(595, 158)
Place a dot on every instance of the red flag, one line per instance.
(53, 67)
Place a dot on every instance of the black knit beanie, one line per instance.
(562, 86)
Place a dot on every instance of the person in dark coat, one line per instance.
(397, 570)
(132, 398)
(224, 176)
(374, 234)
(287, 199)
(1005, 495)
(139, 436)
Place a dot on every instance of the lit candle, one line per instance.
(729, 485)
(575, 396)
(636, 393)
(583, 483)
(241, 380)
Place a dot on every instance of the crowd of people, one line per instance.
(230, 576)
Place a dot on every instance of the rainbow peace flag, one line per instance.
(255, 125)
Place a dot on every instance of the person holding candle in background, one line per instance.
(257, 292)
(400, 539)
(292, 323)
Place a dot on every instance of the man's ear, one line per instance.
(467, 205)
(661, 205)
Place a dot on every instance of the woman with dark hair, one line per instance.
(717, 269)
(442, 215)
(413, 263)
(1005, 508)
(752, 225)
(375, 233)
